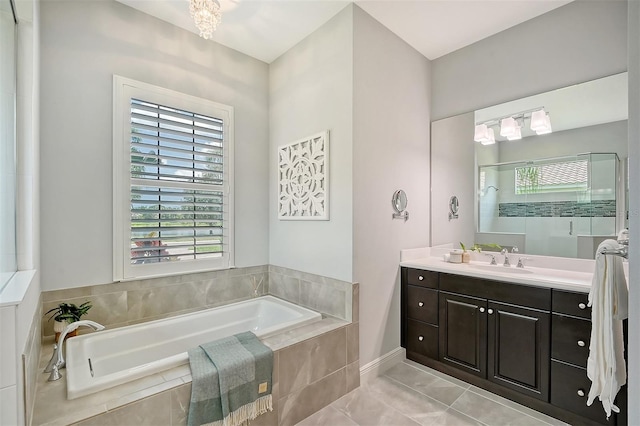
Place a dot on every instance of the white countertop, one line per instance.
(540, 277)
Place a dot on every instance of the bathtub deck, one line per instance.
(53, 408)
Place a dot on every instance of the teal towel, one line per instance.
(231, 381)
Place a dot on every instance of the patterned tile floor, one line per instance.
(411, 394)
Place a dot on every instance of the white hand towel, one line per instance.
(608, 299)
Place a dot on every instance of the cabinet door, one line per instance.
(463, 329)
(518, 349)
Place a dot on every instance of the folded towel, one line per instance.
(231, 381)
(608, 299)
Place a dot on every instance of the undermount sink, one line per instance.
(501, 269)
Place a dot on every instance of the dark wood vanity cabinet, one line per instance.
(518, 349)
(570, 339)
(463, 332)
(504, 343)
(526, 343)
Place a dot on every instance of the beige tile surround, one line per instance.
(320, 362)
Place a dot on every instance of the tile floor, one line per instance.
(411, 394)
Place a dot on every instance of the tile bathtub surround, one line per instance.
(327, 295)
(131, 302)
(309, 373)
(125, 303)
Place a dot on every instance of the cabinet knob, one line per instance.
(421, 338)
(481, 309)
(490, 311)
(582, 306)
(420, 304)
(581, 343)
(420, 277)
(580, 392)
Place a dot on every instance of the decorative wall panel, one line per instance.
(303, 179)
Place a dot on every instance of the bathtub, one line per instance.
(108, 358)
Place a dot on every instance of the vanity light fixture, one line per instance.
(206, 14)
(511, 126)
(540, 122)
(508, 127)
(484, 134)
(517, 133)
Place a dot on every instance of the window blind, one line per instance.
(176, 184)
(561, 176)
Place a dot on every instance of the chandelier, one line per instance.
(206, 14)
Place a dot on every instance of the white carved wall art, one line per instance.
(303, 179)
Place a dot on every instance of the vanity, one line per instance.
(522, 333)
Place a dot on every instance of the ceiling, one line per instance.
(265, 29)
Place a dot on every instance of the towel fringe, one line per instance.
(247, 412)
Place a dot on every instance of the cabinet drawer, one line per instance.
(570, 303)
(422, 339)
(422, 278)
(568, 383)
(422, 304)
(570, 339)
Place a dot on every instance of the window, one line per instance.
(554, 177)
(172, 182)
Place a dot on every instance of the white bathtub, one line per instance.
(124, 354)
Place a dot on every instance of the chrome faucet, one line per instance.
(493, 259)
(57, 359)
(505, 253)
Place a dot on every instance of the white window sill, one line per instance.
(13, 293)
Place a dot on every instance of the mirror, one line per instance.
(557, 194)
(399, 204)
(453, 207)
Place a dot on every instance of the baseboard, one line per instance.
(378, 366)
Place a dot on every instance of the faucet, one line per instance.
(505, 252)
(57, 359)
(493, 259)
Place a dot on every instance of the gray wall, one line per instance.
(578, 42)
(310, 90)
(634, 212)
(391, 117)
(83, 45)
(453, 173)
(609, 137)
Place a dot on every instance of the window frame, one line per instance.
(124, 89)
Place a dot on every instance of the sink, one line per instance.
(501, 269)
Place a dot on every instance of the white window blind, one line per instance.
(177, 188)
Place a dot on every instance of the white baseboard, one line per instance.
(378, 366)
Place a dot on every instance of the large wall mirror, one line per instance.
(557, 190)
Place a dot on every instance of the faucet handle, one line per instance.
(521, 261)
(493, 259)
(514, 249)
(504, 251)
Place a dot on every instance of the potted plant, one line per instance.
(466, 256)
(66, 313)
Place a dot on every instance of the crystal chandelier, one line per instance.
(206, 14)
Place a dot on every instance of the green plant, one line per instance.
(68, 312)
(478, 247)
